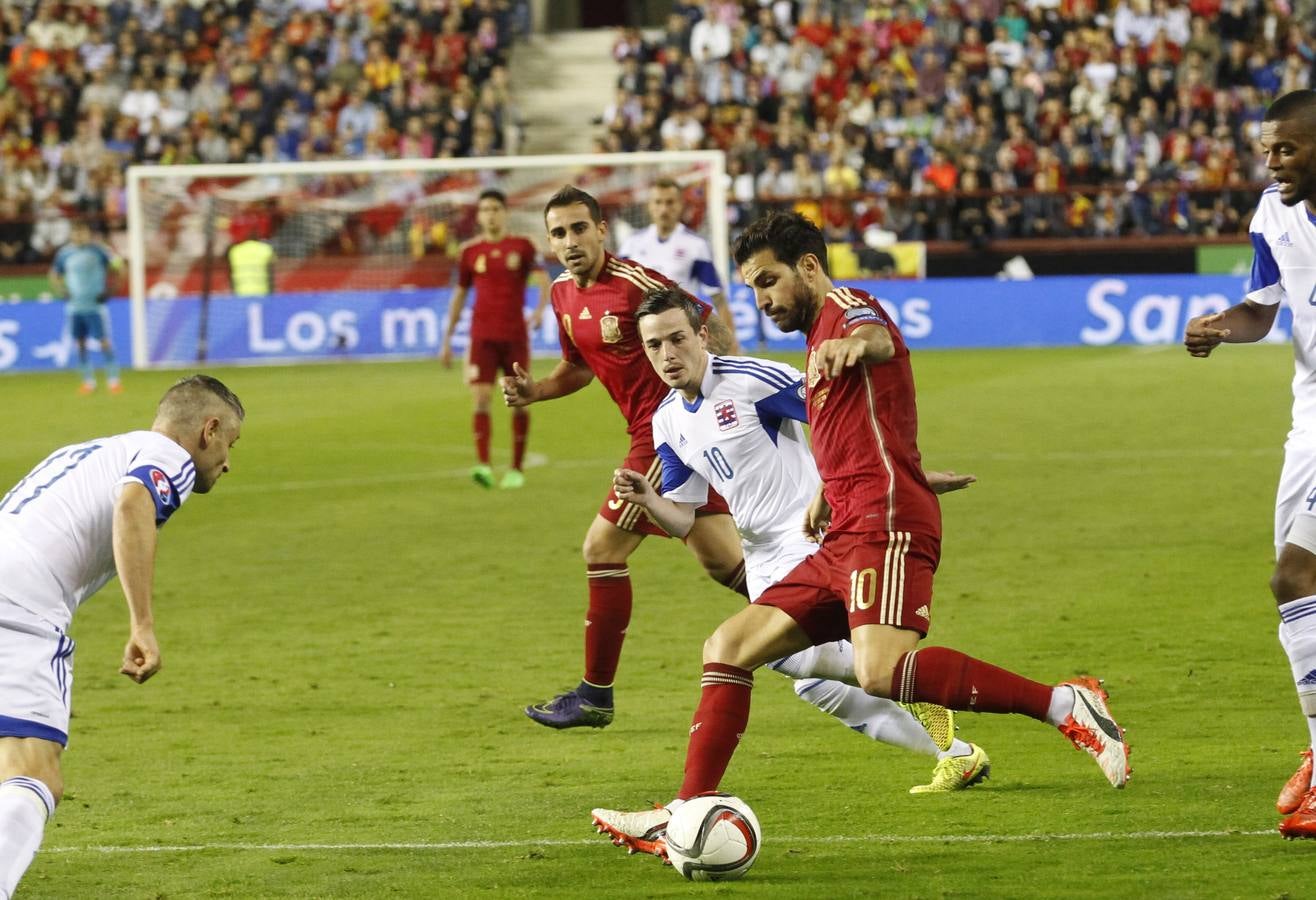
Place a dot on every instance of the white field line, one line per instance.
(776, 841)
(604, 464)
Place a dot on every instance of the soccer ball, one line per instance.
(713, 837)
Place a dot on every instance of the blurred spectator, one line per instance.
(90, 88)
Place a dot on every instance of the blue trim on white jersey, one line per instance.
(675, 471)
(1265, 271)
(166, 497)
(692, 405)
(704, 272)
(745, 366)
(666, 400)
(11, 727)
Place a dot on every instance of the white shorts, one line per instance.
(766, 564)
(1296, 495)
(36, 676)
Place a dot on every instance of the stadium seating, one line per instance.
(975, 120)
(88, 89)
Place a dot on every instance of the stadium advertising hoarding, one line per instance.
(948, 313)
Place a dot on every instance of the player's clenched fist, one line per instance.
(632, 487)
(141, 657)
(1203, 334)
(519, 387)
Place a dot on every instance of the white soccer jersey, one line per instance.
(55, 524)
(742, 435)
(1284, 271)
(684, 257)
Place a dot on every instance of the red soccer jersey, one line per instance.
(597, 329)
(499, 270)
(865, 429)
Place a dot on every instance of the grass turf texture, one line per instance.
(350, 629)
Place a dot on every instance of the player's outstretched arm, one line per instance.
(945, 482)
(1242, 323)
(520, 389)
(674, 518)
(134, 538)
(866, 345)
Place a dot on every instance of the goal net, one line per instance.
(356, 259)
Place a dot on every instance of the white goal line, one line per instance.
(779, 841)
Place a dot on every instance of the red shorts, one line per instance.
(632, 518)
(485, 357)
(878, 578)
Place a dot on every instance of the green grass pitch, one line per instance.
(350, 629)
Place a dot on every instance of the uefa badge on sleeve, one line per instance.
(163, 488)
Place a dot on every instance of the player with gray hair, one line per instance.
(84, 513)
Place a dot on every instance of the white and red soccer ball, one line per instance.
(713, 837)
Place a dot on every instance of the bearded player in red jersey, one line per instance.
(594, 301)
(871, 580)
(500, 266)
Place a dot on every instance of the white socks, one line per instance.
(25, 806)
(1062, 705)
(1297, 635)
(824, 676)
(832, 662)
(882, 720)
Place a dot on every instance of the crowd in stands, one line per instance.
(972, 120)
(87, 89)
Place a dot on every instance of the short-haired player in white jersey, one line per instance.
(735, 423)
(86, 512)
(671, 248)
(1283, 235)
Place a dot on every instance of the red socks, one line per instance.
(719, 722)
(480, 426)
(605, 623)
(956, 681)
(520, 430)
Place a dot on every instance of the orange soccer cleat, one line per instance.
(1290, 798)
(1302, 822)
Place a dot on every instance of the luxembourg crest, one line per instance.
(610, 329)
(725, 413)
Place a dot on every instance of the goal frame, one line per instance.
(715, 199)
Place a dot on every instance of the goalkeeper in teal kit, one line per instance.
(80, 272)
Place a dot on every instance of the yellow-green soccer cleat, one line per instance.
(512, 479)
(482, 475)
(955, 773)
(938, 721)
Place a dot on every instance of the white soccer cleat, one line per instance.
(638, 832)
(1092, 729)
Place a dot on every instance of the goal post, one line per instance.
(345, 233)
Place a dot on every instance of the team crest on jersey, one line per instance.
(819, 398)
(812, 371)
(162, 486)
(513, 261)
(725, 413)
(610, 329)
(481, 265)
